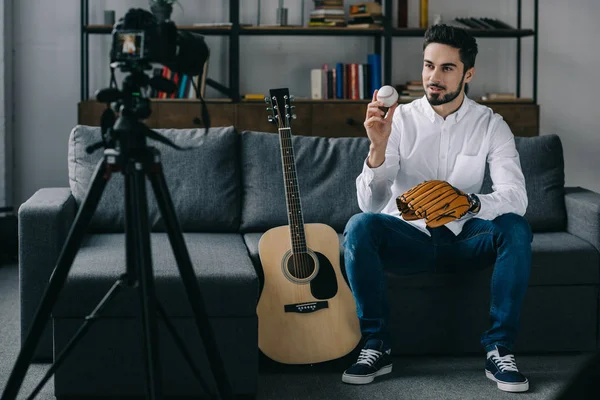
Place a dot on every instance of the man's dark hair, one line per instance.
(455, 37)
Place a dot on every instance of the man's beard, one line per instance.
(436, 99)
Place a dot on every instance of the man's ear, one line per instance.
(469, 74)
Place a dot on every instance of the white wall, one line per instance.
(47, 72)
(46, 91)
(568, 85)
(6, 127)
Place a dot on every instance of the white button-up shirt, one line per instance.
(424, 146)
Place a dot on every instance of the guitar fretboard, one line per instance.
(294, 206)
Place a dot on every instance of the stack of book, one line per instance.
(504, 98)
(365, 15)
(328, 13)
(186, 84)
(412, 90)
(349, 81)
(483, 23)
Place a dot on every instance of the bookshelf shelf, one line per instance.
(205, 30)
(325, 31)
(213, 100)
(310, 31)
(489, 33)
(312, 101)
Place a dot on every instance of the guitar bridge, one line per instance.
(304, 308)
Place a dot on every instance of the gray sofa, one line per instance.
(227, 191)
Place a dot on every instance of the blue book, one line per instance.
(339, 73)
(374, 60)
(182, 86)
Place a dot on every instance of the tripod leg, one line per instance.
(93, 317)
(186, 270)
(181, 346)
(57, 280)
(139, 229)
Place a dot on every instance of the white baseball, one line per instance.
(387, 95)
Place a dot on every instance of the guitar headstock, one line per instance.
(280, 107)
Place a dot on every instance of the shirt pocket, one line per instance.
(467, 174)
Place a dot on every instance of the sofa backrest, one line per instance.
(231, 182)
(204, 181)
(542, 163)
(327, 169)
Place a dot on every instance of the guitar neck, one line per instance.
(292, 192)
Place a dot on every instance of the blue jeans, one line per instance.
(374, 243)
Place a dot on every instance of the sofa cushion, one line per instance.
(326, 169)
(203, 181)
(227, 279)
(542, 163)
(558, 258)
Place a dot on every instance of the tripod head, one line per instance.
(127, 131)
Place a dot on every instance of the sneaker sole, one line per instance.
(364, 379)
(508, 387)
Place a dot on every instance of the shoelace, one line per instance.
(368, 356)
(505, 363)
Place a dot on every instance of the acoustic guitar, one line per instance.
(306, 311)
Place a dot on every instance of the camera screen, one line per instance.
(130, 45)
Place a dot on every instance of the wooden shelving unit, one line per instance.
(382, 37)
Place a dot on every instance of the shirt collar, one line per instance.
(454, 117)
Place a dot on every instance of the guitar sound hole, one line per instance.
(301, 265)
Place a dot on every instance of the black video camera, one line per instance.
(138, 40)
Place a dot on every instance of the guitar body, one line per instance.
(306, 311)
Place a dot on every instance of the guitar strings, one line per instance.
(282, 140)
(301, 263)
(300, 241)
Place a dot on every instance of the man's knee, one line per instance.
(361, 227)
(514, 227)
(360, 222)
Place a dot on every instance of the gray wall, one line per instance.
(6, 89)
(46, 70)
(46, 91)
(568, 91)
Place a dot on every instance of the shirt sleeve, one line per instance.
(508, 183)
(373, 185)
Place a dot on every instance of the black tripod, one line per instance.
(135, 160)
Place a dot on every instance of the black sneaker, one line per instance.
(502, 369)
(373, 361)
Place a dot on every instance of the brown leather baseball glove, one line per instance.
(436, 201)
(407, 213)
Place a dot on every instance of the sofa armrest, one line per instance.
(44, 223)
(583, 214)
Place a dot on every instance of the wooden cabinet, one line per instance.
(186, 114)
(338, 119)
(523, 119)
(254, 117)
(90, 112)
(314, 118)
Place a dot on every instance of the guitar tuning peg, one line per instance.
(293, 116)
(292, 107)
(271, 119)
(269, 108)
(267, 100)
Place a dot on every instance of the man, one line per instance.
(129, 44)
(421, 154)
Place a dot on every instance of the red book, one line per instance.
(354, 81)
